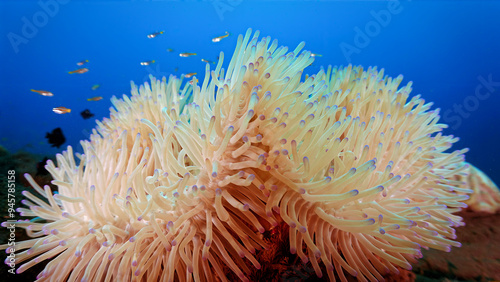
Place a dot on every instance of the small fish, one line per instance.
(61, 110)
(207, 61)
(187, 54)
(193, 81)
(43, 92)
(190, 74)
(154, 34)
(83, 70)
(170, 50)
(96, 98)
(86, 114)
(176, 69)
(56, 137)
(316, 55)
(148, 63)
(218, 39)
(81, 63)
(95, 86)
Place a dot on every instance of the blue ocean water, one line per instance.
(449, 49)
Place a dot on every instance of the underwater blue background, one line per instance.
(449, 49)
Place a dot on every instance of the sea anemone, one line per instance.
(178, 183)
(137, 207)
(485, 196)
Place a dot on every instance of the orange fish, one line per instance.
(147, 63)
(153, 35)
(83, 70)
(187, 54)
(81, 63)
(207, 61)
(193, 81)
(96, 98)
(43, 92)
(61, 110)
(218, 39)
(190, 74)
